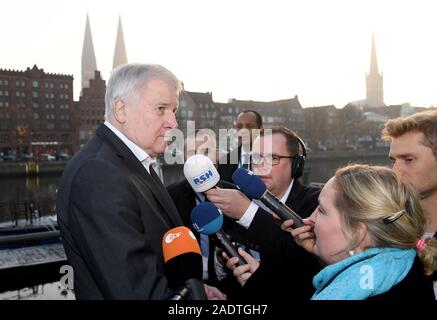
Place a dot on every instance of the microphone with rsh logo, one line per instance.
(253, 187)
(183, 264)
(201, 173)
(208, 219)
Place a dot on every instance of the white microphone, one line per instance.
(201, 173)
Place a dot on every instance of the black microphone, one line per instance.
(183, 264)
(253, 187)
(192, 290)
(208, 219)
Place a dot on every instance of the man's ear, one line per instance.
(119, 111)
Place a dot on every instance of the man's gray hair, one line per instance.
(126, 80)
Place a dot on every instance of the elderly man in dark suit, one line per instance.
(112, 208)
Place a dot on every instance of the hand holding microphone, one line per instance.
(208, 219)
(253, 187)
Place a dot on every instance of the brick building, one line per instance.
(36, 112)
(90, 109)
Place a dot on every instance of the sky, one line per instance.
(261, 50)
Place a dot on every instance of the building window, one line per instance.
(66, 96)
(66, 86)
(35, 94)
(35, 84)
(36, 116)
(52, 85)
(66, 106)
(35, 105)
(61, 96)
(7, 104)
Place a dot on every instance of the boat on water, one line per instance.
(30, 230)
(31, 250)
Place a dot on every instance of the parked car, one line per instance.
(46, 157)
(62, 156)
(9, 157)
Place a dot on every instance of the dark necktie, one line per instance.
(155, 175)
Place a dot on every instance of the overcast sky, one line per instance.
(244, 49)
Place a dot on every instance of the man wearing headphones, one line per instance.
(278, 157)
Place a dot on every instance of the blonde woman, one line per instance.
(368, 231)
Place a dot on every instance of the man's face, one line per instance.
(151, 115)
(276, 177)
(246, 121)
(415, 162)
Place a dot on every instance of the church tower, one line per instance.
(89, 65)
(120, 56)
(374, 81)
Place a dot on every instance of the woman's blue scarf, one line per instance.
(368, 273)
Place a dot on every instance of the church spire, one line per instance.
(373, 60)
(89, 64)
(374, 80)
(120, 56)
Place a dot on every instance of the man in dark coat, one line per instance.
(112, 208)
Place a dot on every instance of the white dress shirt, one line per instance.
(141, 155)
(249, 214)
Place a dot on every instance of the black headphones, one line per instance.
(298, 162)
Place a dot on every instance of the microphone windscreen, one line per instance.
(251, 185)
(201, 173)
(183, 260)
(178, 241)
(207, 218)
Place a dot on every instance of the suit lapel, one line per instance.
(295, 198)
(134, 166)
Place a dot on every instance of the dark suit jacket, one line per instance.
(185, 200)
(112, 215)
(285, 266)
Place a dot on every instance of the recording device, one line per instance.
(208, 219)
(201, 173)
(183, 264)
(253, 187)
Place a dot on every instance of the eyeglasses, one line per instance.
(269, 159)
